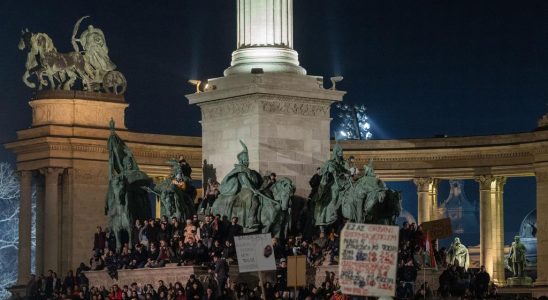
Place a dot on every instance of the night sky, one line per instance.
(423, 68)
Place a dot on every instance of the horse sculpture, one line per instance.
(368, 200)
(117, 209)
(126, 201)
(43, 60)
(273, 213)
(174, 201)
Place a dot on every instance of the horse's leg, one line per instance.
(71, 79)
(118, 237)
(51, 81)
(26, 76)
(130, 243)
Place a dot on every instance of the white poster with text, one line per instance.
(255, 252)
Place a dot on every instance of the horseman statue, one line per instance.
(258, 210)
(126, 201)
(341, 194)
(176, 194)
(89, 62)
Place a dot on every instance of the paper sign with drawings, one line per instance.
(368, 259)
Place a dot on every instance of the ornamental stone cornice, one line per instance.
(409, 156)
(264, 103)
(459, 157)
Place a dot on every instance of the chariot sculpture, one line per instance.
(89, 63)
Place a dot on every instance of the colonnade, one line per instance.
(491, 218)
(48, 221)
(491, 189)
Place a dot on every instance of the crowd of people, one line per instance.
(454, 281)
(197, 242)
(71, 287)
(215, 252)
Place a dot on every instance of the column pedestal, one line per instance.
(25, 227)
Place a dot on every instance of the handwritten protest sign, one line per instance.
(368, 259)
(255, 253)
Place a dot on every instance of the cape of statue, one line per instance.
(240, 197)
(333, 180)
(126, 201)
(458, 255)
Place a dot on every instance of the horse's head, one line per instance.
(283, 191)
(42, 43)
(25, 41)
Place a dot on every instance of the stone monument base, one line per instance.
(171, 273)
(519, 281)
(76, 108)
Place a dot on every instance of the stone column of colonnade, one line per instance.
(541, 175)
(427, 192)
(40, 203)
(492, 226)
(25, 227)
(52, 220)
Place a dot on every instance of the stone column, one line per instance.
(40, 199)
(492, 226)
(541, 174)
(25, 226)
(265, 38)
(433, 195)
(52, 219)
(424, 185)
(498, 233)
(486, 240)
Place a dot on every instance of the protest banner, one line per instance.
(368, 260)
(255, 253)
(438, 229)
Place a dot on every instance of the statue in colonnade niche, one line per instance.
(516, 257)
(458, 255)
(240, 196)
(126, 201)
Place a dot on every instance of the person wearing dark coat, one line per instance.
(482, 282)
(221, 272)
(99, 240)
(234, 229)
